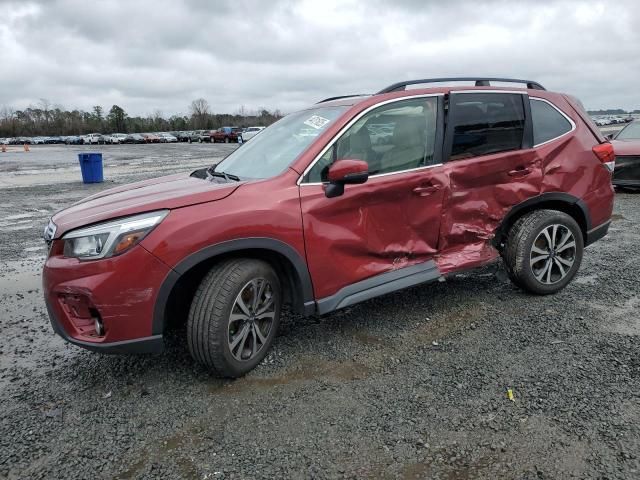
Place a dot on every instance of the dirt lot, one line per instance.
(412, 385)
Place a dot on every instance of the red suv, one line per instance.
(352, 198)
(226, 135)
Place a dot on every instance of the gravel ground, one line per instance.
(411, 385)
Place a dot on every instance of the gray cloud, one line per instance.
(149, 55)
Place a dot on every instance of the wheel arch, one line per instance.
(561, 201)
(177, 290)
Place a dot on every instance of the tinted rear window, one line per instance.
(548, 122)
(486, 123)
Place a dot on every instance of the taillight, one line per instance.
(606, 155)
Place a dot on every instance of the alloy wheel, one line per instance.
(251, 319)
(553, 253)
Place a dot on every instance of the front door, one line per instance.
(393, 220)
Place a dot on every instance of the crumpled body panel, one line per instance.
(375, 227)
(481, 192)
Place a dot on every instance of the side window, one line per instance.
(391, 138)
(548, 123)
(485, 123)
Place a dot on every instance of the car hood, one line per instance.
(626, 147)
(169, 192)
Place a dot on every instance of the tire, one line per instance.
(211, 330)
(536, 265)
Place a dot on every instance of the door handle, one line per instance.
(426, 190)
(519, 172)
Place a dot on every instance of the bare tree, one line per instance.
(200, 112)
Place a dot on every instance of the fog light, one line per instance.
(99, 327)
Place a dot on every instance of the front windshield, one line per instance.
(269, 153)
(630, 132)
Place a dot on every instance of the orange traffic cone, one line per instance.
(26, 147)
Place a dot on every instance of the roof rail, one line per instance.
(480, 82)
(339, 97)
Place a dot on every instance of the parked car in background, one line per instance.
(250, 132)
(151, 138)
(226, 135)
(181, 136)
(116, 138)
(324, 220)
(74, 140)
(93, 139)
(5, 141)
(194, 135)
(38, 140)
(626, 144)
(134, 138)
(166, 137)
(205, 135)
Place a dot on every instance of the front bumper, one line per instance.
(153, 344)
(120, 291)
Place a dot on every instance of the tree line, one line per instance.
(46, 119)
(612, 111)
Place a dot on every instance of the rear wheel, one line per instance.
(543, 251)
(234, 316)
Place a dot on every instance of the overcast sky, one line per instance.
(149, 55)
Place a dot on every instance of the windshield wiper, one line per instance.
(227, 176)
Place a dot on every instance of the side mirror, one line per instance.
(343, 172)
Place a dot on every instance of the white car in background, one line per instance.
(251, 132)
(93, 138)
(115, 138)
(166, 137)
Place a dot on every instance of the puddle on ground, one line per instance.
(367, 338)
(308, 370)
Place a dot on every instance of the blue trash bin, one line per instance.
(91, 167)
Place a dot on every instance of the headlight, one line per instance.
(111, 238)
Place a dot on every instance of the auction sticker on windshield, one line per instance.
(316, 121)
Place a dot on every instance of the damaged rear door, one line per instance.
(393, 220)
(492, 166)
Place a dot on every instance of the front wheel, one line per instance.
(234, 316)
(543, 251)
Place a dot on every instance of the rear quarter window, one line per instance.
(548, 122)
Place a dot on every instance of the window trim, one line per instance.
(571, 122)
(337, 136)
(527, 134)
